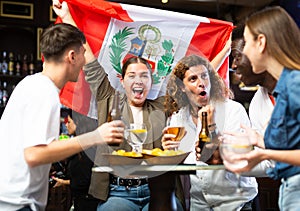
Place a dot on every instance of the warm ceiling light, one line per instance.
(164, 1)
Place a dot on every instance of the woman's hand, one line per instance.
(254, 137)
(167, 142)
(62, 10)
(198, 151)
(253, 157)
(210, 113)
(71, 126)
(60, 182)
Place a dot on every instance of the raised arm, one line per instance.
(94, 72)
(62, 10)
(220, 57)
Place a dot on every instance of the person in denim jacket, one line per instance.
(273, 43)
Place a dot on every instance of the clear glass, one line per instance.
(137, 134)
(231, 145)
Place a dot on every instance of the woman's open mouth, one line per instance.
(203, 93)
(138, 92)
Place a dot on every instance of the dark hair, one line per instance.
(135, 60)
(56, 39)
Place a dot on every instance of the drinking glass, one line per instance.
(178, 131)
(176, 128)
(232, 145)
(137, 136)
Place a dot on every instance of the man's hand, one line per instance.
(111, 132)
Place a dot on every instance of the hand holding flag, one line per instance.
(117, 31)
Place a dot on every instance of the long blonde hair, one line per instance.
(281, 32)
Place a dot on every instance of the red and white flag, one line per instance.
(116, 32)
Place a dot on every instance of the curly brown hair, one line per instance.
(176, 99)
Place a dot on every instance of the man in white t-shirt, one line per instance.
(262, 103)
(30, 123)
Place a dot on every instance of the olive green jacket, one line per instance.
(153, 115)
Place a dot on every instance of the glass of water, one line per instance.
(137, 134)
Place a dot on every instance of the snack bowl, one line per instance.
(164, 159)
(124, 159)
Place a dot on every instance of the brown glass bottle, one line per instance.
(204, 136)
(209, 148)
(115, 113)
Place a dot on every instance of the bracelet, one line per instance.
(212, 125)
(214, 133)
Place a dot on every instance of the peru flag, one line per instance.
(116, 32)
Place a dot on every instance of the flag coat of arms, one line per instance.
(116, 32)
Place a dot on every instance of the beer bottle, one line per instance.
(204, 136)
(115, 113)
(208, 143)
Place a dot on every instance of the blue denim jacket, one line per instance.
(283, 131)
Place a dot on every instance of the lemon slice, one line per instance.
(138, 131)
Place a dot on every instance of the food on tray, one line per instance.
(122, 152)
(160, 152)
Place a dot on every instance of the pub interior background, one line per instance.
(21, 23)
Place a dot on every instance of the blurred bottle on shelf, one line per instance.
(4, 64)
(0, 64)
(1, 93)
(18, 65)
(31, 68)
(4, 94)
(11, 63)
(25, 65)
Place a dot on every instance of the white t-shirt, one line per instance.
(260, 110)
(31, 118)
(214, 188)
(137, 113)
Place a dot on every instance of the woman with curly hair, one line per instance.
(195, 87)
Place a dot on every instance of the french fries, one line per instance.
(122, 152)
(160, 152)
